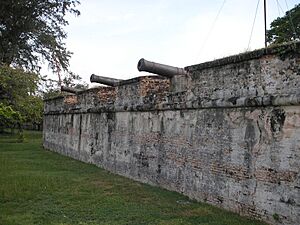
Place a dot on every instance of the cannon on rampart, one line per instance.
(160, 69)
(104, 80)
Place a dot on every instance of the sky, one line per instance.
(110, 36)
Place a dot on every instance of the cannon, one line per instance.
(160, 69)
(104, 80)
(69, 89)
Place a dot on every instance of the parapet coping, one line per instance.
(281, 50)
(200, 104)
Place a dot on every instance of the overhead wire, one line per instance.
(212, 26)
(253, 25)
(290, 18)
(279, 8)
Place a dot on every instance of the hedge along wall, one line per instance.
(228, 133)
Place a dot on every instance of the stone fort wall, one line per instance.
(228, 133)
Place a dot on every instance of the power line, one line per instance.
(290, 17)
(279, 8)
(278, 5)
(265, 20)
(212, 27)
(253, 24)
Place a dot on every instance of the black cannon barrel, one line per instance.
(160, 69)
(69, 89)
(104, 80)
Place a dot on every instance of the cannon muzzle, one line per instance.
(160, 69)
(104, 80)
(69, 89)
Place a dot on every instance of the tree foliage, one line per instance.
(286, 28)
(32, 31)
(9, 117)
(19, 90)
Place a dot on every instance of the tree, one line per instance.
(286, 28)
(19, 90)
(9, 117)
(31, 31)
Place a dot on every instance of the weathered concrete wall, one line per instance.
(228, 133)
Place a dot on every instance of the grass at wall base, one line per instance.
(42, 187)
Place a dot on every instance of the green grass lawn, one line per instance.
(42, 187)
